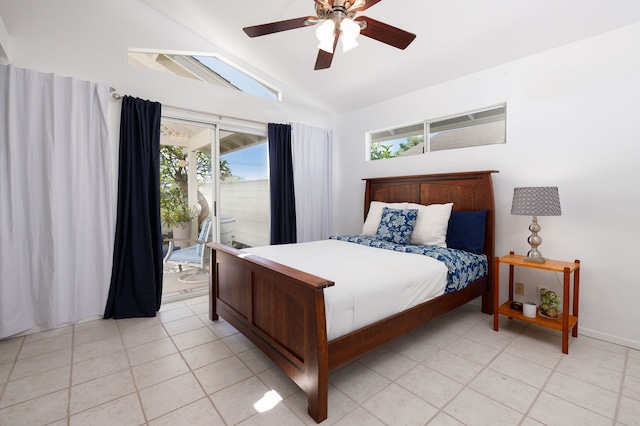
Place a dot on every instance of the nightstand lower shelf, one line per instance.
(556, 324)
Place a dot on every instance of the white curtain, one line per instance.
(56, 207)
(311, 151)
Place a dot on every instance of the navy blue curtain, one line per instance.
(136, 277)
(283, 206)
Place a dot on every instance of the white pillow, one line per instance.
(431, 224)
(370, 226)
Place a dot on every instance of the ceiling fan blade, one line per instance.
(386, 33)
(366, 6)
(276, 27)
(324, 59)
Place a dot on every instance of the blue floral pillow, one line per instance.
(396, 226)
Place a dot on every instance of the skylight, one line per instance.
(236, 77)
(210, 69)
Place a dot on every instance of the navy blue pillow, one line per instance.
(466, 231)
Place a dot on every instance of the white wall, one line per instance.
(571, 122)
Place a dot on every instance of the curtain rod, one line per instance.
(117, 96)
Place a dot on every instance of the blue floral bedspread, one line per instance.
(464, 267)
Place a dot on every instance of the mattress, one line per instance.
(370, 283)
(464, 267)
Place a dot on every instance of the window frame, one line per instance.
(427, 127)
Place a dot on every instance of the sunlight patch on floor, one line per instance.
(267, 402)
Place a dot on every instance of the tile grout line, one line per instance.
(191, 370)
(70, 388)
(69, 416)
(418, 363)
(484, 367)
(621, 387)
(464, 386)
(541, 390)
(133, 378)
(12, 369)
(555, 371)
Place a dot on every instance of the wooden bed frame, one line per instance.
(281, 310)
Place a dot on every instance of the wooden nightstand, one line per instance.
(569, 320)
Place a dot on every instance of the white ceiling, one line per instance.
(454, 38)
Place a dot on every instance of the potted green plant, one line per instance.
(176, 213)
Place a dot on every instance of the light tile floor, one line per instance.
(182, 369)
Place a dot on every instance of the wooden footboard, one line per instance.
(281, 310)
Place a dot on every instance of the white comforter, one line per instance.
(370, 283)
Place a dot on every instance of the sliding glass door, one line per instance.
(210, 171)
(243, 188)
(187, 206)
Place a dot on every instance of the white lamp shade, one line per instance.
(326, 34)
(348, 44)
(350, 31)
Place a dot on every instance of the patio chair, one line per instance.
(195, 256)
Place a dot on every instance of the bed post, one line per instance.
(318, 393)
(489, 243)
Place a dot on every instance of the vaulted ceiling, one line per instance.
(454, 38)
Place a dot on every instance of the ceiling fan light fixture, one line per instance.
(337, 19)
(348, 45)
(350, 31)
(326, 34)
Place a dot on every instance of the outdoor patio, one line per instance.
(173, 289)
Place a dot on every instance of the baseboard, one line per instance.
(617, 340)
(633, 344)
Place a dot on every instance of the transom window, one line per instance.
(208, 68)
(477, 128)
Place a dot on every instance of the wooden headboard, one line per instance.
(468, 191)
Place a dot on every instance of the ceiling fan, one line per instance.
(336, 20)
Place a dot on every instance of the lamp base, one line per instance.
(534, 256)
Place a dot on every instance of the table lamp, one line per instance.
(535, 201)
